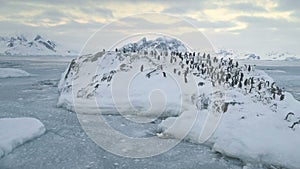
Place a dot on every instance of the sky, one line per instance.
(245, 25)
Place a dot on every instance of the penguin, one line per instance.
(279, 91)
(200, 83)
(181, 57)
(213, 83)
(164, 74)
(252, 80)
(204, 71)
(185, 73)
(236, 81)
(232, 83)
(237, 64)
(174, 70)
(230, 62)
(142, 68)
(259, 86)
(293, 125)
(225, 107)
(281, 97)
(242, 77)
(272, 85)
(109, 78)
(267, 83)
(227, 78)
(251, 89)
(287, 116)
(249, 68)
(185, 80)
(179, 73)
(240, 84)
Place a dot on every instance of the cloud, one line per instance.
(250, 7)
(234, 22)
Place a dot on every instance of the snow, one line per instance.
(12, 72)
(251, 131)
(17, 131)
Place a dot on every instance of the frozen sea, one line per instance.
(65, 145)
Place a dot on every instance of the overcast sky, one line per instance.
(247, 25)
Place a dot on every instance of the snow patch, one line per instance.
(17, 131)
(12, 72)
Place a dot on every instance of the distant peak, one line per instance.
(38, 37)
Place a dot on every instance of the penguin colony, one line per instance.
(224, 72)
(219, 71)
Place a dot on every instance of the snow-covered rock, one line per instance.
(17, 131)
(236, 109)
(20, 45)
(118, 72)
(12, 72)
(254, 129)
(159, 44)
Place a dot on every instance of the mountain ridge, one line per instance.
(22, 45)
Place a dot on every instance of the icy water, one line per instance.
(285, 73)
(65, 145)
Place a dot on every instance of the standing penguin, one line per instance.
(249, 68)
(242, 77)
(259, 86)
(240, 84)
(185, 80)
(142, 68)
(164, 74)
(267, 83)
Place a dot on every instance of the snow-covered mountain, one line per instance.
(234, 54)
(159, 44)
(20, 45)
(282, 56)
